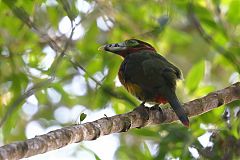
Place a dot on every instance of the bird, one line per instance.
(148, 75)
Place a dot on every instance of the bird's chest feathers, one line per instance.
(124, 76)
(134, 89)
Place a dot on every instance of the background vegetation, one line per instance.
(48, 80)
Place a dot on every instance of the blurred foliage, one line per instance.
(38, 63)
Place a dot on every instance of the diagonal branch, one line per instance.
(22, 15)
(38, 85)
(139, 117)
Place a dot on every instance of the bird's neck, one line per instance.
(136, 50)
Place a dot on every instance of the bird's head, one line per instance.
(127, 47)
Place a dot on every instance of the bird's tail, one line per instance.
(178, 109)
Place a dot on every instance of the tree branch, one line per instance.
(139, 117)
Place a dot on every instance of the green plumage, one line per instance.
(152, 72)
(148, 75)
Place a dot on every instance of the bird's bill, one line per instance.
(114, 47)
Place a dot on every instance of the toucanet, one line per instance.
(148, 75)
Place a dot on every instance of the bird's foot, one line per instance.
(143, 111)
(141, 107)
(157, 108)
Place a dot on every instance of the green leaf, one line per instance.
(82, 116)
(147, 151)
(204, 90)
(195, 76)
(69, 8)
(96, 156)
(233, 14)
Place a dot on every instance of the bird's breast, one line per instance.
(132, 88)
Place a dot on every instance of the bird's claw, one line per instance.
(156, 107)
(143, 111)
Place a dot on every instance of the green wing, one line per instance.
(150, 70)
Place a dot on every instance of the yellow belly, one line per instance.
(134, 90)
(131, 87)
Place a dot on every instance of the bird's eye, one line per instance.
(132, 43)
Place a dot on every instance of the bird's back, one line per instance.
(145, 74)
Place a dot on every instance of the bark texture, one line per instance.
(139, 117)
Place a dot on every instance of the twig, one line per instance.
(41, 84)
(24, 17)
(226, 53)
(106, 89)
